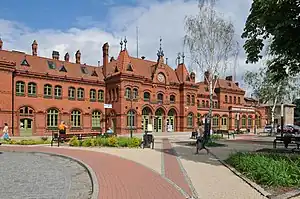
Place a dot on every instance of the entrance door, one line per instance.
(26, 127)
(171, 122)
(158, 124)
(113, 124)
(224, 125)
(145, 122)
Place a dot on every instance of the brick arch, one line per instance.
(53, 107)
(173, 108)
(96, 109)
(162, 108)
(147, 106)
(25, 105)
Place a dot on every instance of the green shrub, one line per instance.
(113, 141)
(44, 138)
(134, 142)
(86, 142)
(74, 141)
(216, 137)
(25, 142)
(101, 141)
(273, 170)
(123, 141)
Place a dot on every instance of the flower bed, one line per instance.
(107, 142)
(25, 142)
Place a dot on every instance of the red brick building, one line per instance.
(36, 93)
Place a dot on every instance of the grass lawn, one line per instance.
(276, 172)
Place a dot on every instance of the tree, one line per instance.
(267, 91)
(277, 23)
(210, 40)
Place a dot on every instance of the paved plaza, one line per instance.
(171, 170)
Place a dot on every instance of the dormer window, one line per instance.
(62, 69)
(129, 67)
(229, 84)
(24, 63)
(94, 74)
(51, 65)
(84, 70)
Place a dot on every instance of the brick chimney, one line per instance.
(34, 47)
(55, 55)
(229, 78)
(143, 57)
(105, 49)
(78, 56)
(1, 44)
(67, 57)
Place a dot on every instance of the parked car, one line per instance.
(268, 129)
(289, 128)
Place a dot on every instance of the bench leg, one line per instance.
(274, 144)
(152, 144)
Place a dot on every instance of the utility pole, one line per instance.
(137, 42)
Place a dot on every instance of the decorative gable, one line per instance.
(62, 69)
(94, 74)
(116, 69)
(129, 67)
(25, 63)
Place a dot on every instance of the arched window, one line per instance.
(188, 100)
(207, 104)
(80, 94)
(127, 93)
(96, 119)
(236, 121)
(160, 97)
(203, 103)
(131, 119)
(72, 93)
(20, 88)
(47, 90)
(226, 99)
(52, 118)
(93, 95)
(215, 122)
(198, 118)
(230, 99)
(198, 103)
(31, 89)
(57, 91)
(135, 93)
(239, 100)
(172, 99)
(76, 118)
(257, 121)
(190, 120)
(249, 122)
(234, 99)
(146, 96)
(100, 95)
(244, 121)
(193, 100)
(216, 105)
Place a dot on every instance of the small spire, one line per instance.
(167, 60)
(125, 43)
(183, 56)
(178, 58)
(121, 44)
(160, 52)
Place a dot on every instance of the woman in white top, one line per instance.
(5, 132)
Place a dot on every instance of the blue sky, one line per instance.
(68, 26)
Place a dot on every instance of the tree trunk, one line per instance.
(273, 116)
(210, 103)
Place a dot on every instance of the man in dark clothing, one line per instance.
(202, 139)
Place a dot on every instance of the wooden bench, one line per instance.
(226, 132)
(287, 140)
(194, 135)
(148, 140)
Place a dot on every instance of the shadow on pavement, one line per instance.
(281, 151)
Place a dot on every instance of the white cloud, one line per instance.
(155, 19)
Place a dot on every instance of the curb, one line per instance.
(287, 195)
(91, 173)
(253, 185)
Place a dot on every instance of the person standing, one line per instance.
(202, 139)
(62, 130)
(5, 135)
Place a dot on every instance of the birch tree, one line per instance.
(210, 40)
(267, 91)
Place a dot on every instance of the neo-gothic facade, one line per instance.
(36, 93)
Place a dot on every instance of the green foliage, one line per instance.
(216, 137)
(273, 170)
(106, 142)
(278, 23)
(25, 142)
(44, 138)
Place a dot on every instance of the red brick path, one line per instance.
(172, 167)
(118, 178)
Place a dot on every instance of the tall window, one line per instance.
(239, 100)
(230, 99)
(236, 121)
(224, 121)
(198, 118)
(80, 94)
(57, 91)
(32, 89)
(188, 100)
(160, 97)
(135, 93)
(20, 88)
(203, 103)
(71, 93)
(96, 119)
(193, 100)
(216, 105)
(198, 103)
(47, 90)
(190, 122)
(257, 121)
(207, 104)
(172, 99)
(234, 100)
(244, 122)
(249, 122)
(226, 99)
(215, 122)
(52, 118)
(131, 118)
(93, 95)
(146, 96)
(100, 95)
(127, 93)
(75, 118)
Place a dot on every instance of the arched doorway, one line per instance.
(26, 122)
(158, 120)
(171, 124)
(146, 118)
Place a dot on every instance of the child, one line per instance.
(5, 135)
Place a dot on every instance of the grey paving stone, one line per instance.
(42, 176)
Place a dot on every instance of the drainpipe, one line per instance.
(13, 102)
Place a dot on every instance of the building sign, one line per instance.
(242, 109)
(107, 105)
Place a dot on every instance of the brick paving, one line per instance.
(118, 178)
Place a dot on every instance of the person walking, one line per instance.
(5, 135)
(62, 130)
(201, 139)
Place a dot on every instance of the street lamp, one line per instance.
(281, 119)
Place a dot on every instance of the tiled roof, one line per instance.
(222, 83)
(41, 65)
